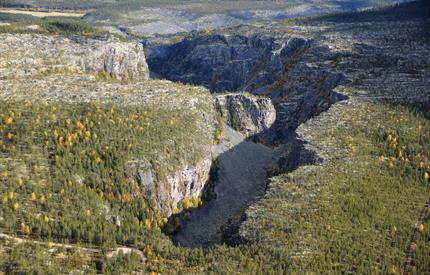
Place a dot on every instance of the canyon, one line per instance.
(253, 143)
(303, 74)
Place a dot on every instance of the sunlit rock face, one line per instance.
(245, 113)
(60, 54)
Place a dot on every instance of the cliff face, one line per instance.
(124, 61)
(218, 62)
(66, 70)
(245, 113)
(368, 58)
(58, 54)
(166, 195)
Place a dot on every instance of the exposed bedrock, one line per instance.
(288, 88)
(187, 182)
(125, 61)
(60, 54)
(245, 113)
(241, 180)
(218, 62)
(276, 67)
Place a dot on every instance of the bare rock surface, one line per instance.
(24, 55)
(246, 113)
(384, 56)
(173, 18)
(73, 70)
(188, 182)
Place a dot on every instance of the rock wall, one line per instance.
(60, 54)
(124, 61)
(245, 113)
(62, 68)
(188, 182)
(165, 196)
(219, 62)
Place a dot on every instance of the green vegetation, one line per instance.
(71, 26)
(363, 217)
(220, 129)
(381, 12)
(49, 4)
(49, 25)
(38, 259)
(62, 169)
(65, 185)
(24, 18)
(122, 263)
(195, 6)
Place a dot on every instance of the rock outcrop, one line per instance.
(188, 182)
(65, 73)
(123, 61)
(166, 195)
(59, 54)
(176, 18)
(366, 58)
(62, 69)
(246, 113)
(219, 62)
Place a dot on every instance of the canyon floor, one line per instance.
(241, 180)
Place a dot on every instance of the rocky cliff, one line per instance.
(270, 64)
(245, 113)
(124, 61)
(167, 195)
(72, 70)
(218, 62)
(365, 58)
(304, 70)
(25, 55)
